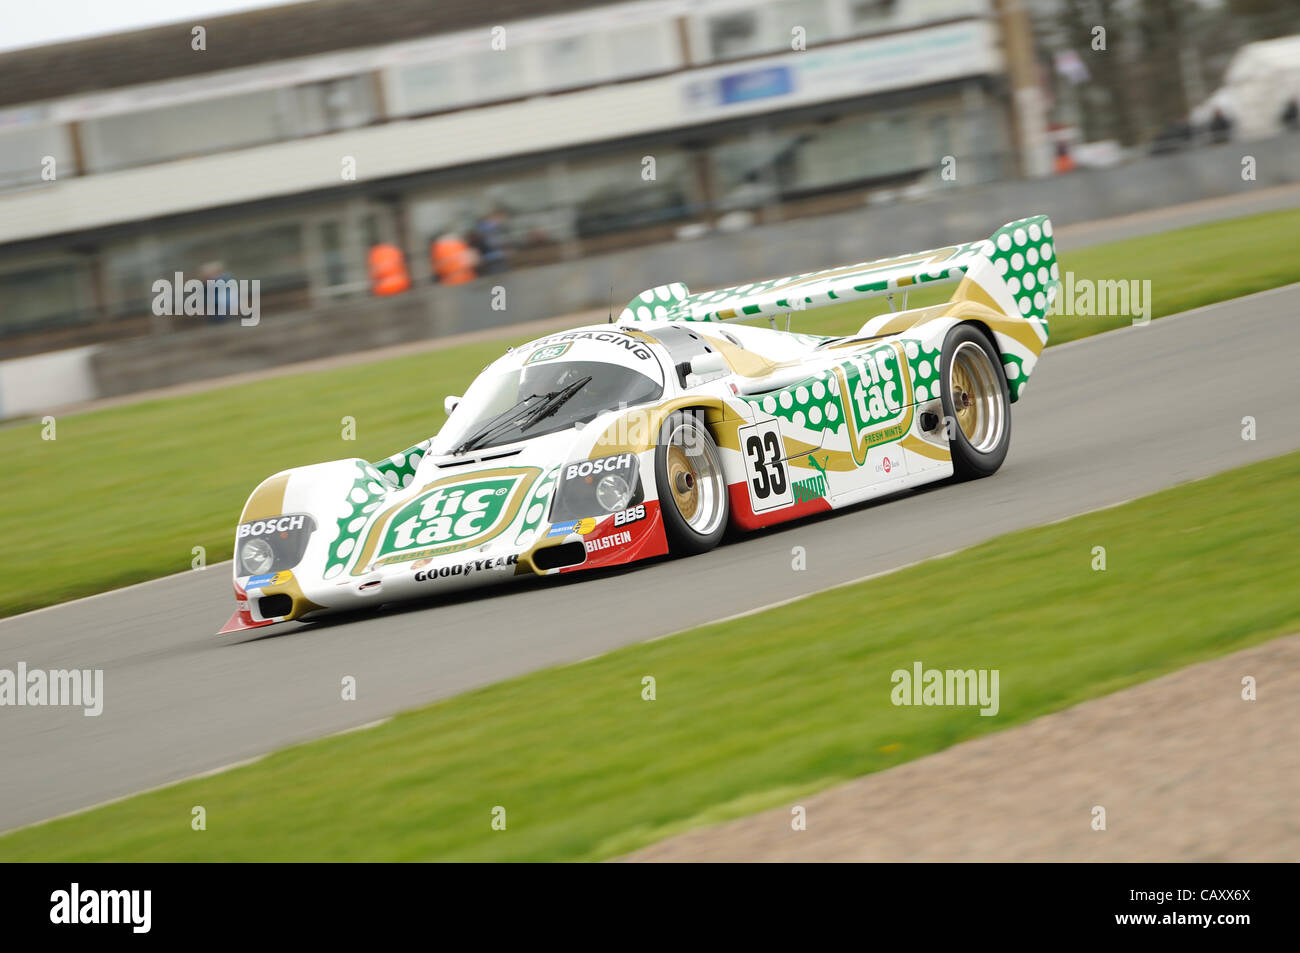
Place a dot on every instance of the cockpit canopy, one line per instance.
(551, 385)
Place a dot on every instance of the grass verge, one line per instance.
(749, 713)
(127, 493)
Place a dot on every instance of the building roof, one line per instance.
(249, 39)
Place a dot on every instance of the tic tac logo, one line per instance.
(277, 524)
(872, 388)
(548, 353)
(452, 514)
(77, 906)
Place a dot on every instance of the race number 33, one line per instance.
(768, 479)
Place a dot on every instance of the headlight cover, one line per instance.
(256, 556)
(272, 544)
(596, 487)
(613, 493)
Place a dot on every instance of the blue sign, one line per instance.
(756, 84)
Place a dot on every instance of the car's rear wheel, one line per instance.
(692, 489)
(976, 400)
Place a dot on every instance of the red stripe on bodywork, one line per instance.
(743, 515)
(237, 624)
(647, 540)
(242, 619)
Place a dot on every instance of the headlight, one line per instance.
(273, 542)
(596, 487)
(256, 555)
(613, 492)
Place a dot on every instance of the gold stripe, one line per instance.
(301, 604)
(743, 361)
(640, 335)
(637, 429)
(267, 500)
(972, 301)
(839, 460)
(906, 320)
(925, 448)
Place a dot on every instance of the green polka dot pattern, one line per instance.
(814, 403)
(537, 506)
(1025, 256)
(1016, 376)
(399, 469)
(367, 494)
(1022, 252)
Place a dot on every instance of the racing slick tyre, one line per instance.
(975, 397)
(692, 489)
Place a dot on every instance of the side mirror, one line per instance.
(711, 362)
(450, 403)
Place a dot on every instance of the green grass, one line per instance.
(125, 494)
(751, 713)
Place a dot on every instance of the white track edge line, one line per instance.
(210, 772)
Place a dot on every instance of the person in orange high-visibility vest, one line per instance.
(1064, 161)
(387, 267)
(453, 260)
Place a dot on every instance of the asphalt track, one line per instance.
(1104, 420)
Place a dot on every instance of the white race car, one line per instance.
(617, 442)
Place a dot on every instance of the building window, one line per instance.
(23, 151)
(734, 34)
(44, 297)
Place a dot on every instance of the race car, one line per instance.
(656, 433)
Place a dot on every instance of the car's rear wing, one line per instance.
(1014, 270)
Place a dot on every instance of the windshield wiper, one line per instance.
(550, 403)
(503, 419)
(554, 402)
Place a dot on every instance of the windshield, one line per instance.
(494, 396)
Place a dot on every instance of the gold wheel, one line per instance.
(976, 394)
(684, 482)
(963, 401)
(691, 487)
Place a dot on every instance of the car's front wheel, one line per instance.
(976, 402)
(692, 490)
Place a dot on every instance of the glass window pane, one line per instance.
(429, 87)
(870, 16)
(641, 49)
(271, 253)
(43, 297)
(611, 195)
(130, 269)
(498, 74)
(570, 61)
(812, 15)
(155, 135)
(734, 34)
(23, 152)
